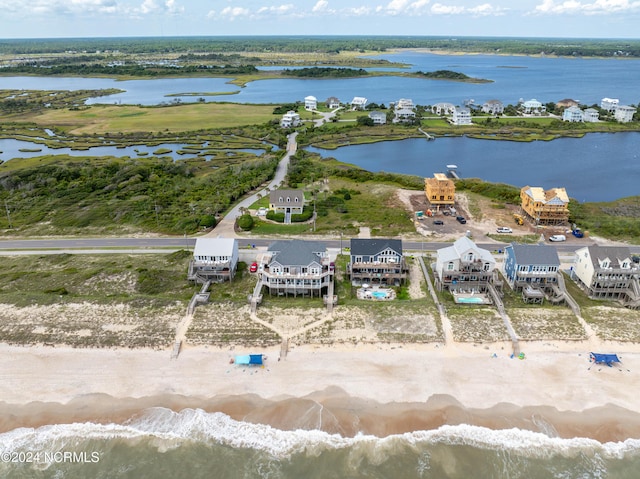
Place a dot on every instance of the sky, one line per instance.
(520, 18)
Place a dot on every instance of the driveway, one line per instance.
(225, 226)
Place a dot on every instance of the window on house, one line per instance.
(450, 267)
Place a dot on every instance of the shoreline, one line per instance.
(372, 389)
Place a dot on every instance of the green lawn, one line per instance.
(179, 118)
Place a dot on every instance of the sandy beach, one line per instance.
(376, 389)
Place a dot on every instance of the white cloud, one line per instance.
(89, 7)
(320, 6)
(597, 7)
(483, 10)
(159, 6)
(397, 7)
(235, 12)
(276, 10)
(440, 9)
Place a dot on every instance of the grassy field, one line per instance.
(107, 278)
(178, 118)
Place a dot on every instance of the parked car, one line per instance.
(438, 222)
(461, 219)
(557, 238)
(253, 268)
(504, 229)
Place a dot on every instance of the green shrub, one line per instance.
(273, 216)
(245, 222)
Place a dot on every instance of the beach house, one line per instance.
(567, 103)
(404, 104)
(289, 202)
(332, 102)
(573, 114)
(310, 103)
(609, 104)
(377, 261)
(464, 266)
(533, 270)
(214, 259)
(533, 107)
(440, 190)
(608, 272)
(290, 119)
(296, 268)
(493, 107)
(624, 113)
(443, 108)
(591, 115)
(358, 103)
(550, 207)
(378, 117)
(461, 116)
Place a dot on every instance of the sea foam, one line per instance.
(166, 429)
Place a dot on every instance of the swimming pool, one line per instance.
(379, 294)
(468, 300)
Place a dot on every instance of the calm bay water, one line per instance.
(597, 167)
(514, 77)
(194, 444)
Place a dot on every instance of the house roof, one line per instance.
(553, 196)
(373, 246)
(296, 252)
(275, 195)
(535, 254)
(214, 247)
(556, 196)
(567, 102)
(614, 253)
(461, 246)
(493, 102)
(333, 99)
(374, 114)
(310, 98)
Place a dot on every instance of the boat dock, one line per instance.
(429, 137)
(452, 171)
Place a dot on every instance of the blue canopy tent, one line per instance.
(248, 359)
(607, 359)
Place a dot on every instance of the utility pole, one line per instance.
(6, 207)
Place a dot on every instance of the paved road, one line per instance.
(106, 245)
(225, 226)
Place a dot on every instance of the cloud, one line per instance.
(233, 12)
(320, 6)
(159, 6)
(483, 10)
(89, 7)
(598, 7)
(276, 10)
(397, 7)
(440, 9)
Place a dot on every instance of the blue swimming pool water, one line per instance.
(471, 300)
(379, 294)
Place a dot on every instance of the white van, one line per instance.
(504, 229)
(558, 238)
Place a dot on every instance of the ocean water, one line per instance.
(196, 444)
